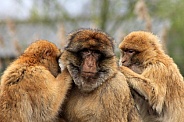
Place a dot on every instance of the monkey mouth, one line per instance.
(88, 74)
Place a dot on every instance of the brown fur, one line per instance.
(107, 98)
(159, 89)
(30, 91)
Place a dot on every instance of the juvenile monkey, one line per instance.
(154, 78)
(98, 94)
(32, 88)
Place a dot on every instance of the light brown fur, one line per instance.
(106, 98)
(30, 91)
(159, 88)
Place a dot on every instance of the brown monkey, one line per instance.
(31, 89)
(156, 82)
(98, 94)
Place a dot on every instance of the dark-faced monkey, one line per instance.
(100, 92)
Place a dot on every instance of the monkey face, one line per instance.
(127, 57)
(138, 48)
(89, 63)
(130, 59)
(90, 58)
(90, 71)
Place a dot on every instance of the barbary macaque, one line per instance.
(33, 87)
(154, 79)
(100, 92)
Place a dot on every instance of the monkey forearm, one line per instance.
(64, 82)
(137, 82)
(142, 85)
(65, 75)
(149, 91)
(128, 72)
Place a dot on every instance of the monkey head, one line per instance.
(43, 53)
(89, 57)
(138, 48)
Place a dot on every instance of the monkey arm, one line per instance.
(152, 92)
(65, 81)
(140, 84)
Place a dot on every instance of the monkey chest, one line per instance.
(95, 107)
(82, 109)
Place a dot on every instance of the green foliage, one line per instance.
(172, 10)
(176, 35)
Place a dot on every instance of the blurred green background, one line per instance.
(24, 21)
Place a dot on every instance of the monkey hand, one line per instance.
(136, 68)
(62, 61)
(64, 76)
(157, 101)
(127, 72)
(62, 64)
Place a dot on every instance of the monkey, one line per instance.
(98, 93)
(154, 79)
(32, 87)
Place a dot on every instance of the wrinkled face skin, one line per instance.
(128, 59)
(90, 72)
(89, 64)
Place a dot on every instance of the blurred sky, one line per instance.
(13, 9)
(20, 8)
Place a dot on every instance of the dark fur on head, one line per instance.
(91, 39)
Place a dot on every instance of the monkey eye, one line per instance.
(86, 52)
(129, 51)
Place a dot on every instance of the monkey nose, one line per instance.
(123, 61)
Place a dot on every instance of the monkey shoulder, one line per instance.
(26, 86)
(21, 71)
(120, 80)
(13, 74)
(30, 79)
(163, 72)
